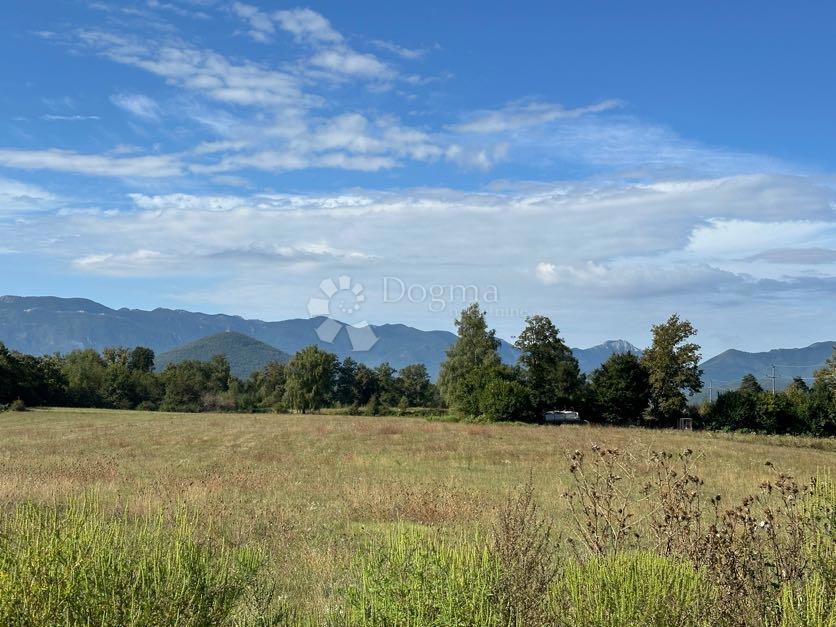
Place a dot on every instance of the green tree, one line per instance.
(365, 384)
(186, 384)
(85, 372)
(414, 385)
(550, 370)
(505, 398)
(672, 363)
(141, 359)
(386, 388)
(310, 379)
(621, 389)
(345, 387)
(271, 385)
(749, 385)
(470, 362)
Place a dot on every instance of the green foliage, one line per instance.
(414, 579)
(310, 379)
(197, 385)
(504, 398)
(632, 589)
(17, 405)
(77, 566)
(673, 366)
(749, 385)
(621, 389)
(469, 363)
(550, 370)
(414, 386)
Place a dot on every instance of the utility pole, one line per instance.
(710, 397)
(773, 379)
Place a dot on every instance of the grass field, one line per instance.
(311, 489)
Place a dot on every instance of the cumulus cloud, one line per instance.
(307, 26)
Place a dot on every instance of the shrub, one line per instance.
(77, 566)
(17, 405)
(505, 400)
(414, 579)
(631, 589)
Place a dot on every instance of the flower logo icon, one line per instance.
(341, 297)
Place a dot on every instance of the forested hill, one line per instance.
(244, 354)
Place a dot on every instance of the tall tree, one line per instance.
(550, 370)
(673, 366)
(469, 363)
(345, 387)
(414, 385)
(621, 389)
(309, 382)
(141, 359)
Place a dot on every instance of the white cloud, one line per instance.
(137, 104)
(17, 197)
(521, 115)
(200, 70)
(343, 61)
(401, 51)
(69, 118)
(261, 26)
(307, 26)
(91, 164)
(125, 264)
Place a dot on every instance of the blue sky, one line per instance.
(603, 163)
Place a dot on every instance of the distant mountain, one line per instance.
(42, 325)
(45, 324)
(727, 369)
(591, 358)
(245, 354)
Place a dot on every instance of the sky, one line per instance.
(605, 164)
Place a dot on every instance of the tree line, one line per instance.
(651, 390)
(121, 378)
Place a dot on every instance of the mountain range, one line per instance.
(46, 324)
(726, 369)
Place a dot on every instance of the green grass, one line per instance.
(310, 492)
(76, 565)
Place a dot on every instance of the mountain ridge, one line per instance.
(46, 324)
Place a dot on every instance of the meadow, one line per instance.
(311, 491)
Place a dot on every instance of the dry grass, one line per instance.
(310, 489)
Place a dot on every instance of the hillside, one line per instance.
(245, 354)
(42, 325)
(726, 369)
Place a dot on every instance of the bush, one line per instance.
(76, 566)
(414, 579)
(505, 400)
(632, 588)
(17, 405)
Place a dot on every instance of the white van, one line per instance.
(562, 417)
